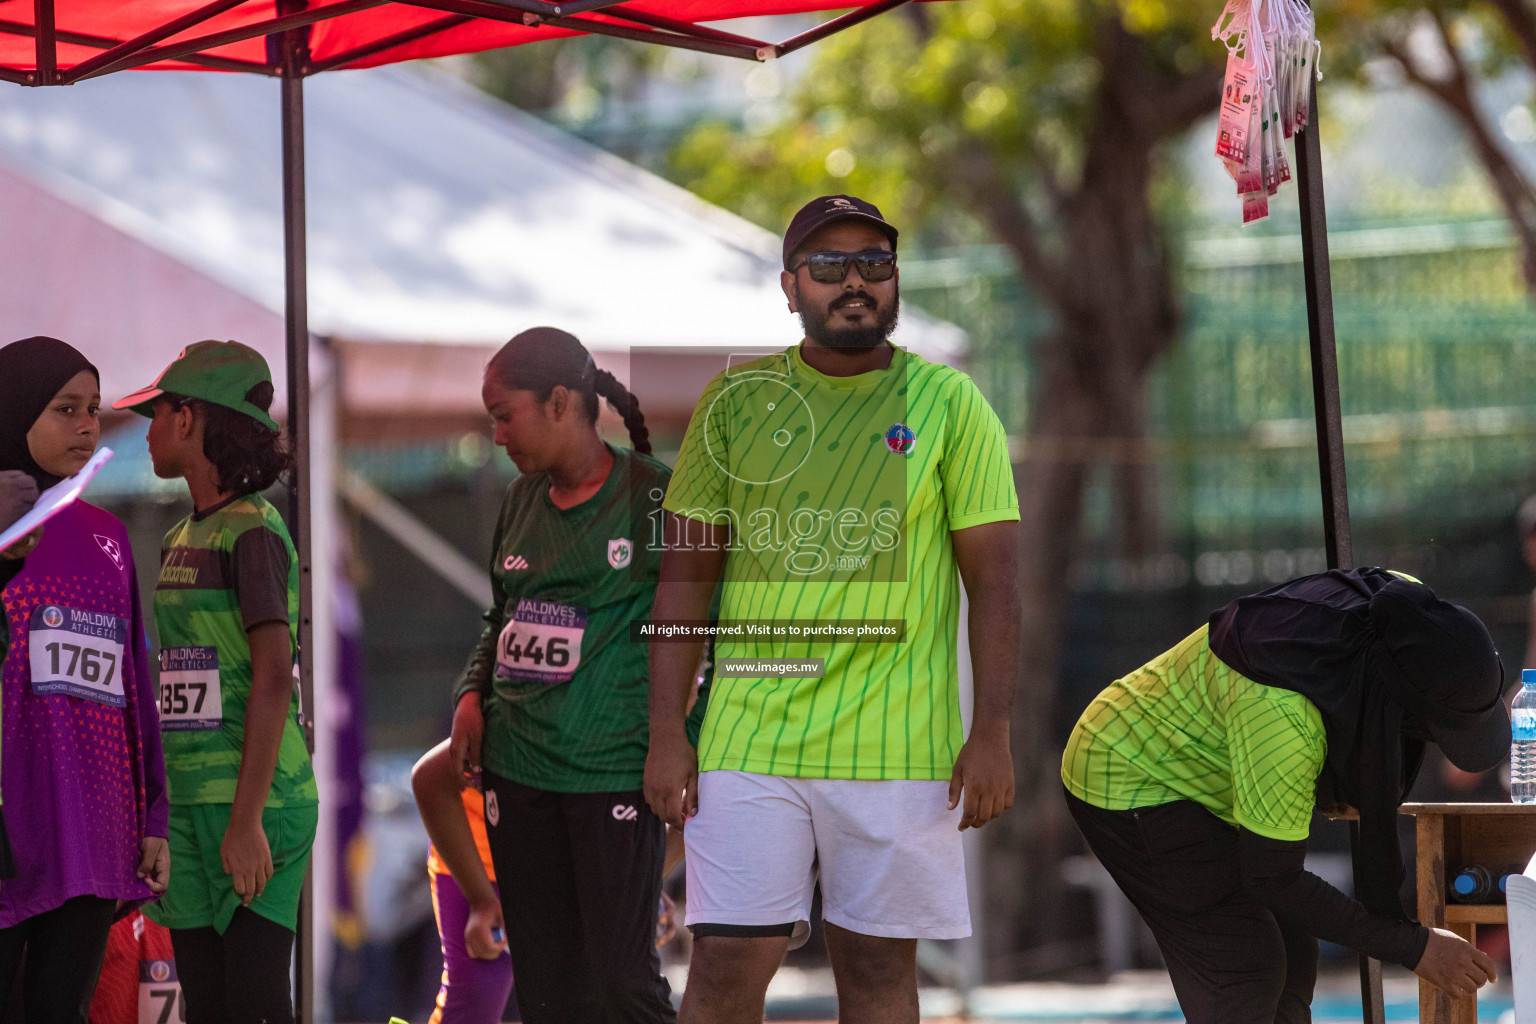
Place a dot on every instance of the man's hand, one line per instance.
(155, 862)
(246, 858)
(1454, 965)
(18, 493)
(672, 780)
(468, 731)
(984, 774)
(478, 940)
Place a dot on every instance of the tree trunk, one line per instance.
(1118, 314)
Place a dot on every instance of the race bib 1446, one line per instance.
(189, 689)
(77, 653)
(541, 643)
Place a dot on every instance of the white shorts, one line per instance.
(888, 854)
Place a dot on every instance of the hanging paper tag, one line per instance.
(1234, 128)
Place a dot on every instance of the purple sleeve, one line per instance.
(157, 806)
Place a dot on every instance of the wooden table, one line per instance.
(1456, 836)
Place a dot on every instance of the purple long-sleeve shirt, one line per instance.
(82, 778)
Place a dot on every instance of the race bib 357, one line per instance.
(189, 689)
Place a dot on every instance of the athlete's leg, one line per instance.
(200, 970)
(64, 956)
(532, 854)
(751, 874)
(258, 960)
(473, 991)
(1178, 865)
(876, 977)
(1300, 977)
(728, 978)
(617, 847)
(892, 871)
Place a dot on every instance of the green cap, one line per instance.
(221, 372)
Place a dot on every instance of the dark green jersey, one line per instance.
(223, 572)
(565, 688)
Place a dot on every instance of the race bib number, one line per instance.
(160, 998)
(542, 642)
(189, 689)
(78, 654)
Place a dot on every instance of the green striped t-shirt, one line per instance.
(1185, 726)
(223, 572)
(841, 494)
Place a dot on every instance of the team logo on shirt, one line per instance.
(112, 548)
(492, 808)
(52, 617)
(620, 551)
(900, 438)
(515, 562)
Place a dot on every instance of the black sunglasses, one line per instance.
(832, 267)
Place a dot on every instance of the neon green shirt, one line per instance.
(841, 493)
(1185, 726)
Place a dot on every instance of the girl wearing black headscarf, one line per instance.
(82, 780)
(1194, 779)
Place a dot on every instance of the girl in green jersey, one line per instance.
(559, 691)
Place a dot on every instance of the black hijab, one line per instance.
(31, 372)
(1388, 665)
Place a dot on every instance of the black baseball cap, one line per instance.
(825, 210)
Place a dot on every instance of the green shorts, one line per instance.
(201, 895)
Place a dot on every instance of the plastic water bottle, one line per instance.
(1473, 885)
(1522, 748)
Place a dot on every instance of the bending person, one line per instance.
(559, 691)
(84, 787)
(1194, 779)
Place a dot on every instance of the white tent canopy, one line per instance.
(143, 212)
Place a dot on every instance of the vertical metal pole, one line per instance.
(1325, 359)
(295, 55)
(47, 45)
(1330, 426)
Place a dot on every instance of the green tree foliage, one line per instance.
(1448, 49)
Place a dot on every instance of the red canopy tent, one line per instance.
(60, 42)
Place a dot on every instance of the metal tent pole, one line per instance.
(1330, 426)
(294, 55)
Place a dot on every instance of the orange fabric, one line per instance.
(474, 810)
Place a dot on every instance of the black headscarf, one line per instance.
(1388, 665)
(31, 372)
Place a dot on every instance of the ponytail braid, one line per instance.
(628, 406)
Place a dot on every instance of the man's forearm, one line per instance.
(674, 665)
(987, 556)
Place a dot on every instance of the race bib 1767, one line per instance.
(77, 653)
(541, 643)
(189, 689)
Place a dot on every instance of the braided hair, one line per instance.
(542, 358)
